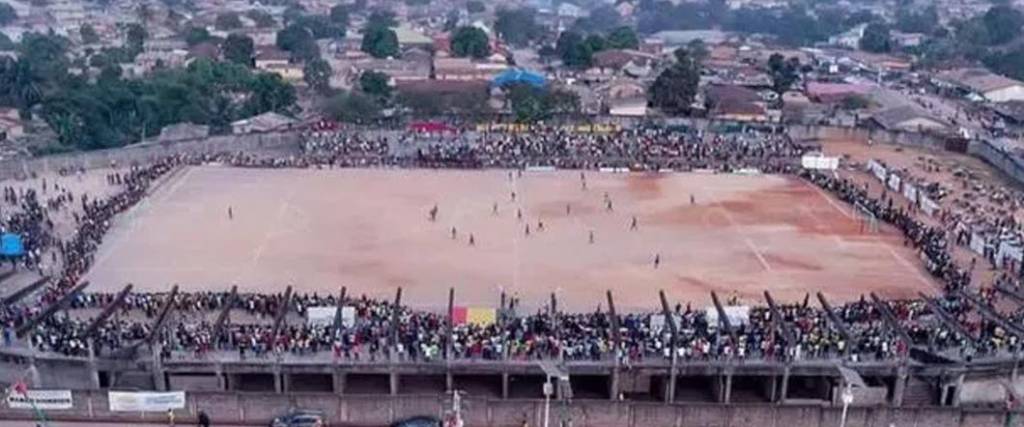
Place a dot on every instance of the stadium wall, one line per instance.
(1007, 163)
(259, 408)
(284, 143)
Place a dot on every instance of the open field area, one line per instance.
(369, 229)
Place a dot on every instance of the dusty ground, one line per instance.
(369, 230)
(933, 166)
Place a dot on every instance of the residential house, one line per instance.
(615, 61)
(270, 56)
(829, 93)
(569, 10)
(850, 38)
(183, 131)
(907, 118)
(466, 69)
(266, 122)
(399, 70)
(11, 125)
(146, 62)
(409, 36)
(992, 87)
(735, 103)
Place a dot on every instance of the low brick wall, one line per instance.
(258, 408)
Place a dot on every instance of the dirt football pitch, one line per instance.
(370, 230)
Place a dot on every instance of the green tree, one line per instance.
(623, 38)
(531, 104)
(783, 72)
(876, 38)
(924, 21)
(270, 93)
(381, 19)
(1003, 24)
(321, 26)
(380, 42)
(239, 49)
(574, 50)
(298, 40)
(470, 41)
(136, 37)
(595, 43)
(602, 19)
(261, 18)
(317, 74)
(517, 27)
(88, 34)
(196, 35)
(675, 89)
(228, 21)
(375, 83)
(475, 6)
(7, 14)
(339, 15)
(351, 107)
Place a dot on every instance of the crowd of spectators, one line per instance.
(380, 330)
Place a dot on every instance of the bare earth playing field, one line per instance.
(369, 230)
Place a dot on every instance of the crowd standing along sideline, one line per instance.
(803, 332)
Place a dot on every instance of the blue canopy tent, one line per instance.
(519, 75)
(11, 245)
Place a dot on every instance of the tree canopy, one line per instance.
(239, 49)
(375, 83)
(622, 38)
(532, 104)
(298, 40)
(7, 14)
(876, 38)
(784, 72)
(228, 21)
(470, 41)
(675, 89)
(380, 42)
(113, 112)
(317, 74)
(517, 27)
(88, 34)
(351, 107)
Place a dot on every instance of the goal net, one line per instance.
(866, 219)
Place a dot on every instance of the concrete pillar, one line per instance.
(33, 373)
(900, 387)
(784, 388)
(613, 384)
(958, 392)
(159, 376)
(504, 385)
(727, 393)
(449, 382)
(286, 383)
(278, 384)
(394, 383)
(339, 382)
(94, 371)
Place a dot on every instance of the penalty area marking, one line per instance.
(910, 267)
(757, 253)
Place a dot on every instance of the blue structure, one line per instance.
(11, 245)
(519, 75)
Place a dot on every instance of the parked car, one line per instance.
(421, 421)
(300, 418)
